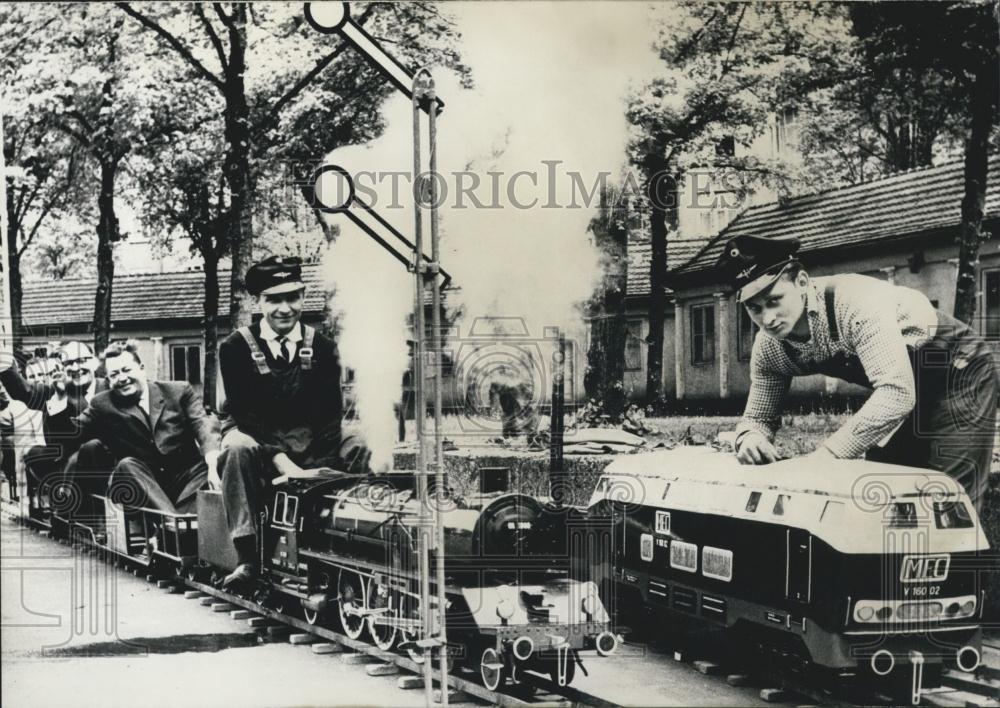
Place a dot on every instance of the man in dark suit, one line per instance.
(283, 405)
(155, 436)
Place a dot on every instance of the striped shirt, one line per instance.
(876, 323)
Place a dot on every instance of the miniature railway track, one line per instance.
(957, 690)
(543, 693)
(981, 690)
(472, 688)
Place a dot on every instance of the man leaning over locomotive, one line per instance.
(934, 380)
(283, 407)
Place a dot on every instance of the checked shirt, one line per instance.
(876, 323)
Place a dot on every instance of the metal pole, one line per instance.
(557, 477)
(418, 405)
(436, 347)
(6, 326)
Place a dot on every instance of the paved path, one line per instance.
(78, 632)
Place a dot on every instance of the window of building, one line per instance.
(633, 346)
(702, 334)
(726, 147)
(746, 330)
(991, 304)
(185, 363)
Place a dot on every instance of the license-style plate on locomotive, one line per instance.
(925, 568)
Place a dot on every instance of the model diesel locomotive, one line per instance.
(850, 567)
(342, 550)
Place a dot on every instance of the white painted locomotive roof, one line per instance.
(844, 502)
(844, 478)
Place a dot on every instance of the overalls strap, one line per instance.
(255, 353)
(831, 316)
(306, 350)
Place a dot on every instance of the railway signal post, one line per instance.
(335, 17)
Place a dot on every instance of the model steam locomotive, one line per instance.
(342, 550)
(853, 568)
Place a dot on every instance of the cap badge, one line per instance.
(746, 271)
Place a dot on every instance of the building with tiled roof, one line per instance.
(679, 252)
(141, 298)
(923, 203)
(162, 311)
(901, 228)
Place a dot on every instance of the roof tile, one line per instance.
(903, 204)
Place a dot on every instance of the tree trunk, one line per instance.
(211, 330)
(604, 380)
(974, 200)
(16, 291)
(107, 234)
(238, 169)
(662, 195)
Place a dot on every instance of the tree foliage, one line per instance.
(954, 47)
(727, 68)
(290, 95)
(76, 67)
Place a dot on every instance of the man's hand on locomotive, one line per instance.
(754, 449)
(287, 469)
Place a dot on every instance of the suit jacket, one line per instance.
(175, 438)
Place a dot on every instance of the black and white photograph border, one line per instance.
(604, 353)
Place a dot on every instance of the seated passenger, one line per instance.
(61, 388)
(153, 435)
(283, 405)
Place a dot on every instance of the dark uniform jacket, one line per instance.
(290, 409)
(175, 437)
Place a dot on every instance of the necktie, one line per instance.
(286, 356)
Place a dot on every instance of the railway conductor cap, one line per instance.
(753, 263)
(275, 275)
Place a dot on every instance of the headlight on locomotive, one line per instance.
(880, 611)
(505, 602)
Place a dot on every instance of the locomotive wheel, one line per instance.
(352, 597)
(311, 616)
(381, 597)
(492, 669)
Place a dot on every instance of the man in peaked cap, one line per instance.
(934, 381)
(283, 408)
